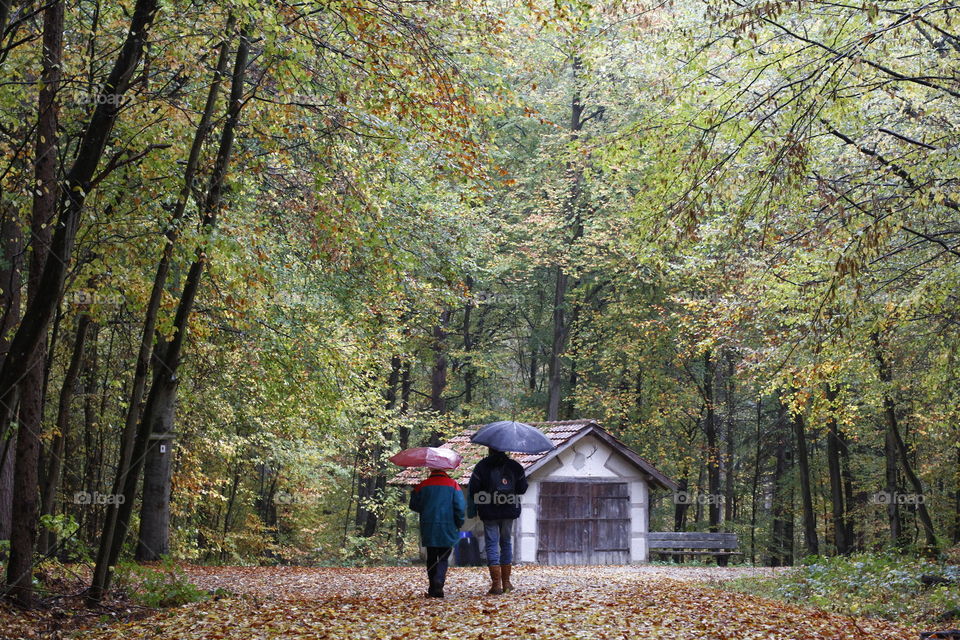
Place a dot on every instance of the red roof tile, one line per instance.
(559, 432)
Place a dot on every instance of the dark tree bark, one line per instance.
(848, 494)
(160, 408)
(781, 548)
(956, 496)
(562, 282)
(806, 493)
(837, 502)
(469, 371)
(893, 430)
(438, 373)
(10, 273)
(713, 451)
(52, 480)
(756, 483)
(892, 488)
(93, 454)
(403, 441)
(117, 518)
(27, 453)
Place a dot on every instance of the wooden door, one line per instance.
(584, 523)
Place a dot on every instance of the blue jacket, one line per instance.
(442, 508)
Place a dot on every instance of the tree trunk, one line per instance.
(10, 273)
(92, 457)
(893, 430)
(438, 373)
(713, 451)
(729, 496)
(848, 495)
(403, 441)
(27, 452)
(839, 513)
(755, 485)
(781, 550)
(160, 409)
(52, 482)
(562, 282)
(469, 371)
(132, 445)
(806, 494)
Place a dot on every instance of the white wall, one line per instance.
(588, 458)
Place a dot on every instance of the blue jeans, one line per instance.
(498, 540)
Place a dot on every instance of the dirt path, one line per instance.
(575, 602)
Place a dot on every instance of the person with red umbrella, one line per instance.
(442, 508)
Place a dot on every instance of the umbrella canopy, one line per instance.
(512, 436)
(432, 457)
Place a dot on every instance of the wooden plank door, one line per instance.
(583, 523)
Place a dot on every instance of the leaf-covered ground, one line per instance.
(570, 602)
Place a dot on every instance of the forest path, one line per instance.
(550, 602)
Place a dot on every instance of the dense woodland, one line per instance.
(250, 249)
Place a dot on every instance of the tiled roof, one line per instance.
(559, 432)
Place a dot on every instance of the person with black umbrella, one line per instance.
(495, 488)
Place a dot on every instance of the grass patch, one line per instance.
(895, 587)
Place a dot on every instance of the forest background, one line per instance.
(250, 249)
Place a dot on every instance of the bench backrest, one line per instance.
(691, 540)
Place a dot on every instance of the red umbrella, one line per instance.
(432, 457)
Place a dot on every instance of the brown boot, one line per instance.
(496, 586)
(505, 577)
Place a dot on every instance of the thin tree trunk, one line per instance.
(438, 373)
(160, 408)
(781, 551)
(713, 451)
(469, 371)
(890, 412)
(806, 493)
(91, 457)
(117, 519)
(848, 495)
(755, 485)
(562, 282)
(403, 441)
(838, 511)
(729, 497)
(52, 481)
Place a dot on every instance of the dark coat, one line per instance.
(441, 506)
(485, 501)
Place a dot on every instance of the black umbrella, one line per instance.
(512, 436)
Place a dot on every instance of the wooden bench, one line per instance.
(692, 543)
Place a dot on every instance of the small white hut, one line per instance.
(588, 499)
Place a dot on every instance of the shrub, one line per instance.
(166, 585)
(885, 585)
